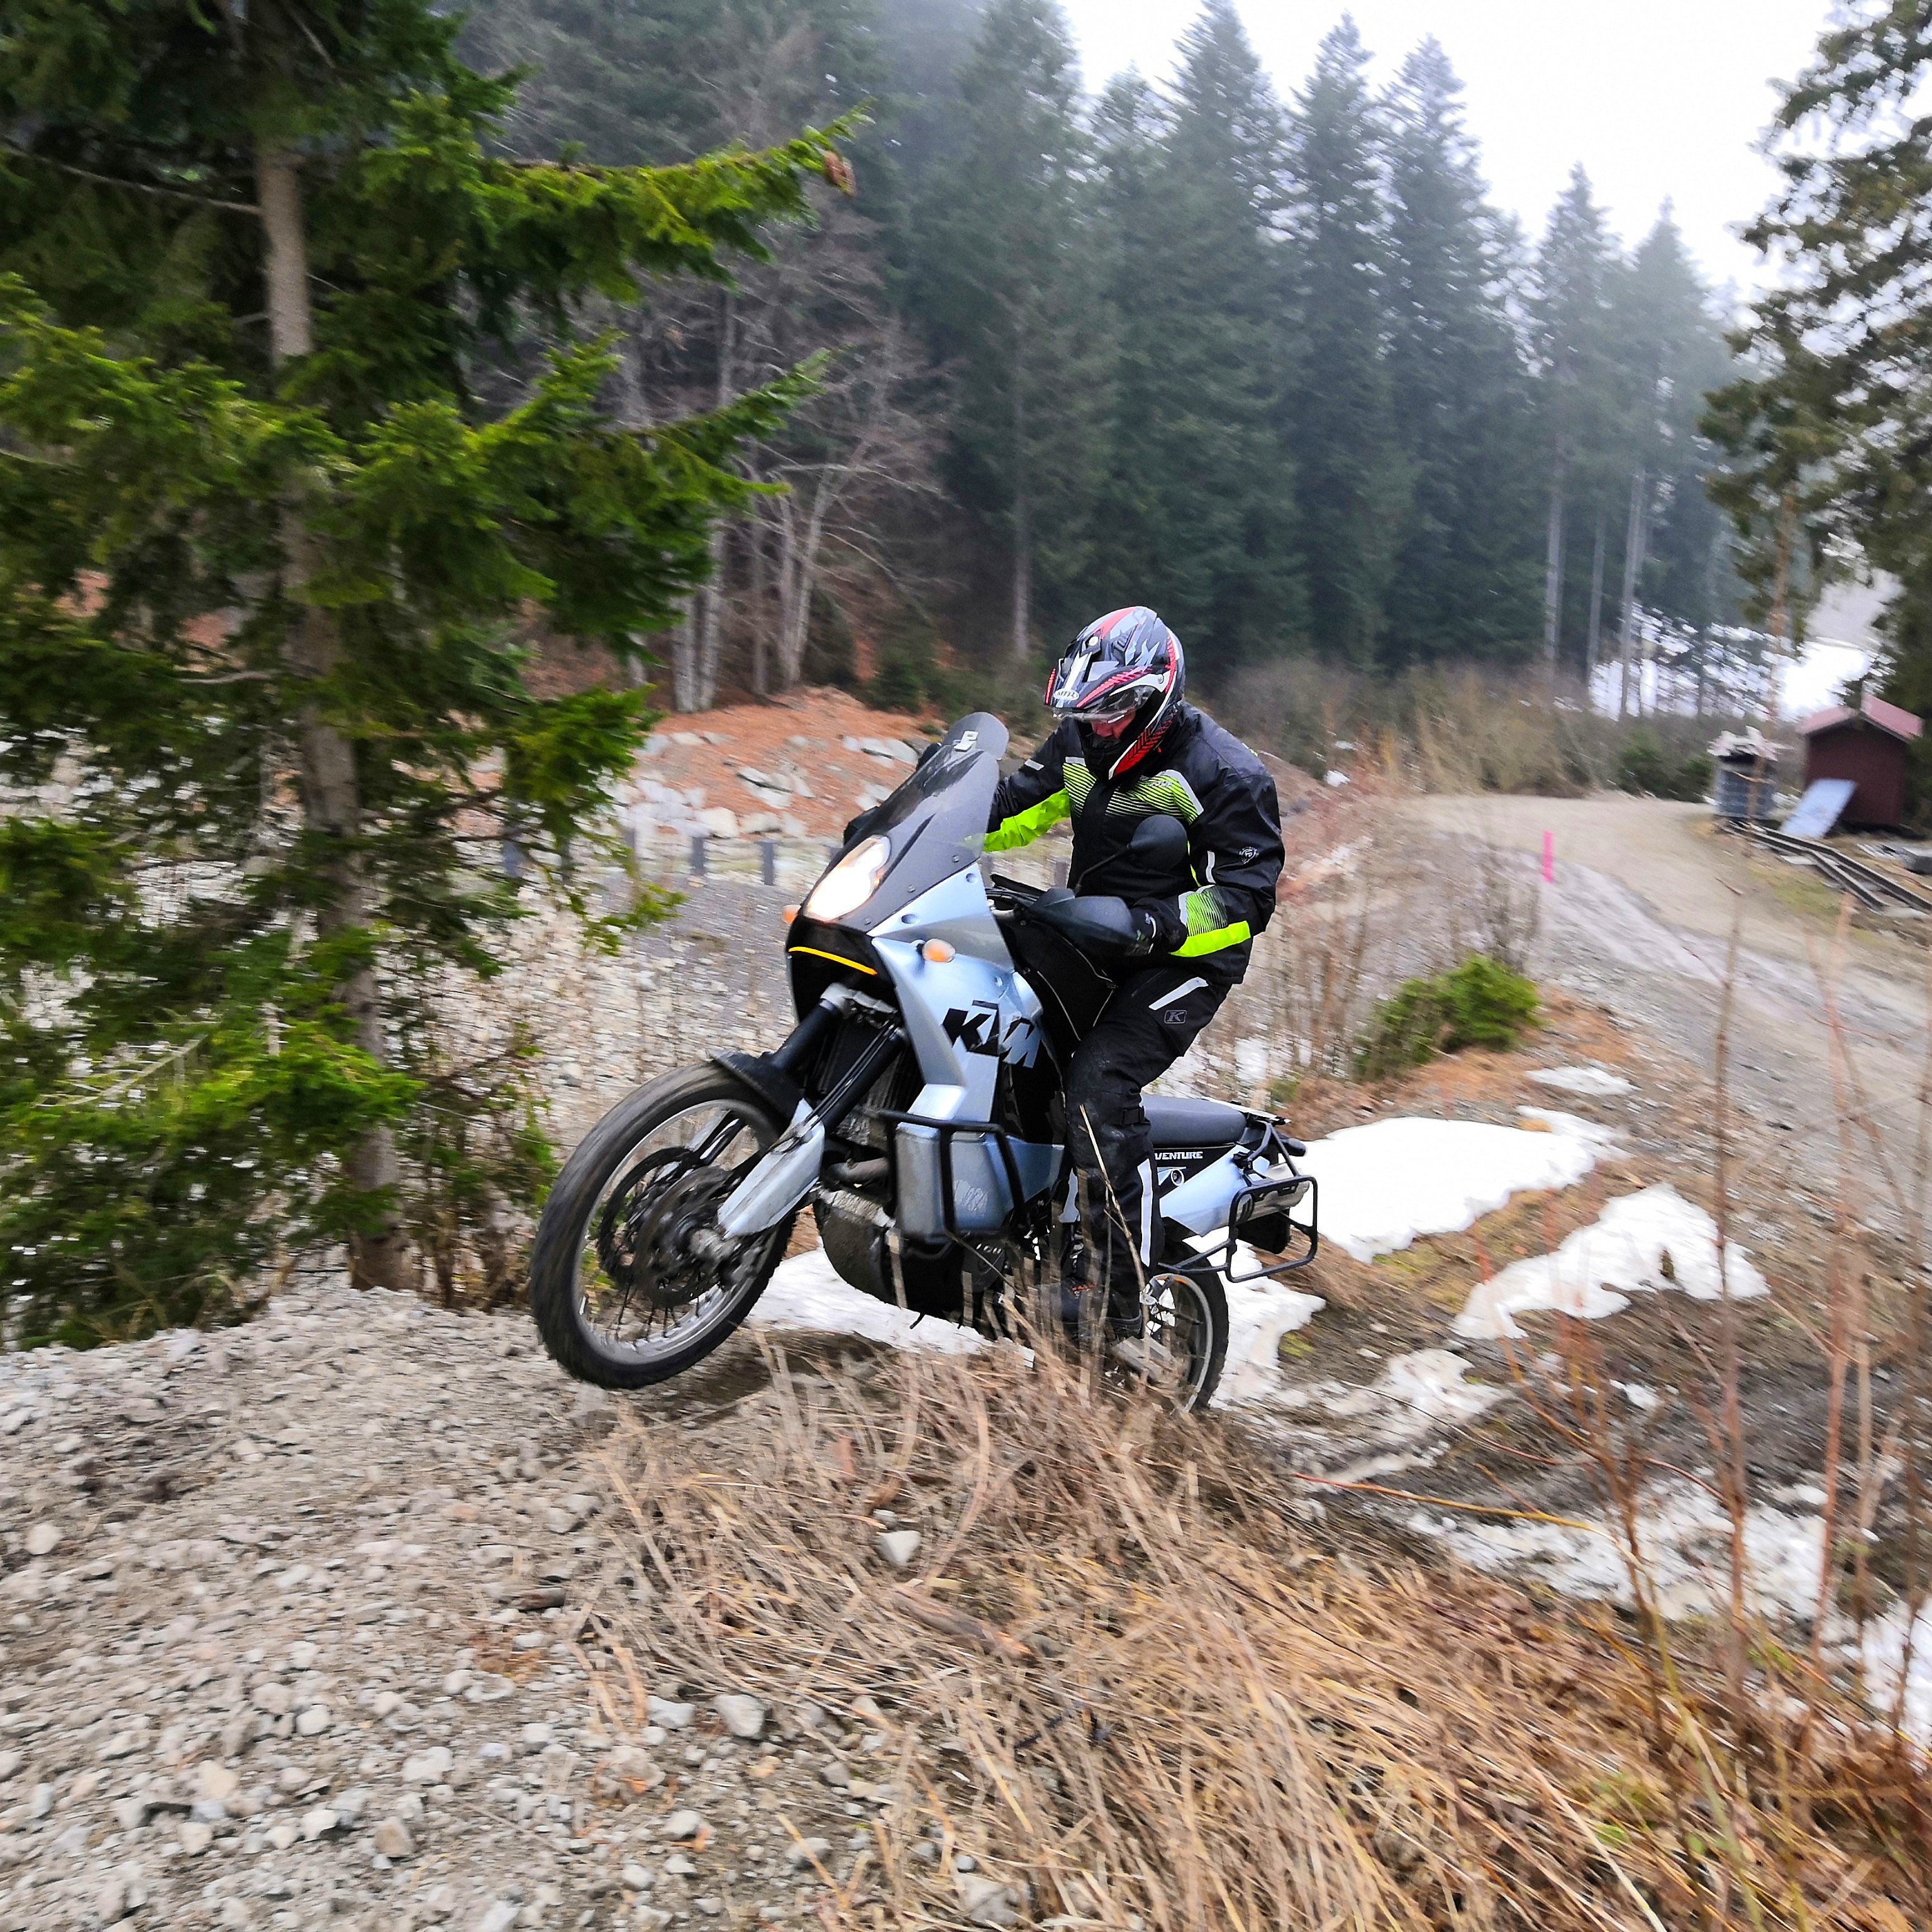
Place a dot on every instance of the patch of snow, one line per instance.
(1883, 1657)
(1638, 1396)
(1384, 1185)
(1593, 1082)
(807, 1292)
(1259, 1314)
(1622, 1253)
(1684, 1541)
(1415, 1392)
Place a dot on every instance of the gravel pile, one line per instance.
(299, 1628)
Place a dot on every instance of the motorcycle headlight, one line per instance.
(850, 883)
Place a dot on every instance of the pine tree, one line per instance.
(654, 81)
(263, 555)
(1830, 462)
(1676, 560)
(1353, 480)
(923, 44)
(1196, 507)
(1004, 287)
(1582, 384)
(1466, 581)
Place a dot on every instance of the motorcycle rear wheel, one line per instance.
(652, 1168)
(1184, 1346)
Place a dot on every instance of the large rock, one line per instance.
(744, 1716)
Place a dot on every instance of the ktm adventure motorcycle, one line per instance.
(916, 1110)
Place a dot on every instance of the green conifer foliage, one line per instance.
(1196, 512)
(1668, 334)
(1003, 285)
(1467, 579)
(1830, 456)
(263, 557)
(1583, 386)
(1354, 480)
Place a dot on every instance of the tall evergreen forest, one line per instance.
(1263, 355)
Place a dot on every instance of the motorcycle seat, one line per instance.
(1191, 1124)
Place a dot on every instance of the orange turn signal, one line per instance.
(936, 952)
(790, 913)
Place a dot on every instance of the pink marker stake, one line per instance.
(1550, 858)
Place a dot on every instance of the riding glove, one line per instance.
(1099, 922)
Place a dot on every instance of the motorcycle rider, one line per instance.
(1125, 745)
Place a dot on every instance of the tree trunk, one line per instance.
(1552, 562)
(1594, 641)
(331, 805)
(760, 588)
(710, 625)
(1022, 637)
(1634, 536)
(710, 634)
(684, 661)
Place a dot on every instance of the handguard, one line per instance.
(1097, 922)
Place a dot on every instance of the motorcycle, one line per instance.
(917, 1109)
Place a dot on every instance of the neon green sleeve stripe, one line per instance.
(1024, 827)
(1217, 941)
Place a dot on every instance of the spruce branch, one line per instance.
(137, 188)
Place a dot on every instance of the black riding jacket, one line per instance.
(1201, 775)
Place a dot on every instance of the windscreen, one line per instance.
(936, 821)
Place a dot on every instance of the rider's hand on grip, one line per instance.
(1097, 922)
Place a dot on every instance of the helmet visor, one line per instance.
(1108, 705)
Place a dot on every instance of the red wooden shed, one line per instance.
(1872, 746)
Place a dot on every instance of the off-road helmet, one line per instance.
(1127, 663)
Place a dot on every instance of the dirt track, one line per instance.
(1639, 917)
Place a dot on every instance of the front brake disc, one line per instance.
(666, 1269)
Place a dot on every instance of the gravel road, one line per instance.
(299, 1628)
(1639, 919)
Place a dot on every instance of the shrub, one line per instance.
(1481, 1003)
(1646, 765)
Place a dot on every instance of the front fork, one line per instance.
(788, 1170)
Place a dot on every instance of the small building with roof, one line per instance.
(1872, 747)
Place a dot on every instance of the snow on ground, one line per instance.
(1642, 1243)
(1384, 1185)
(807, 1292)
(1593, 1082)
(1883, 1655)
(1259, 1314)
(1685, 1537)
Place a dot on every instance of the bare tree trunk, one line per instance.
(684, 661)
(760, 589)
(1594, 643)
(1022, 637)
(710, 598)
(710, 626)
(1634, 536)
(786, 511)
(805, 566)
(1552, 562)
(330, 803)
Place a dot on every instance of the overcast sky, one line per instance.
(1658, 99)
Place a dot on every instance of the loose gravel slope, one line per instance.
(289, 1624)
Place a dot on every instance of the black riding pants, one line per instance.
(1150, 1022)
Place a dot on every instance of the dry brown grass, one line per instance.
(1135, 1687)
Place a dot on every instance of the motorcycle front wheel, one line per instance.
(623, 1293)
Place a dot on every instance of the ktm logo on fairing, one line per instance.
(977, 1028)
